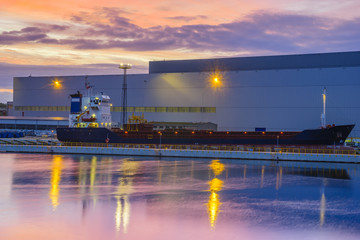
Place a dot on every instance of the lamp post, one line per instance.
(124, 95)
(160, 133)
(323, 116)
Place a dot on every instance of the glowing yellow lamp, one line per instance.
(216, 80)
(57, 84)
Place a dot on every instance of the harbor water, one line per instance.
(50, 196)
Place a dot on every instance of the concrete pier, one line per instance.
(190, 153)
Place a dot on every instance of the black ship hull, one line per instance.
(325, 136)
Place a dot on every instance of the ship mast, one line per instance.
(323, 116)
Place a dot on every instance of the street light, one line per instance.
(216, 82)
(124, 94)
(216, 79)
(57, 83)
(160, 133)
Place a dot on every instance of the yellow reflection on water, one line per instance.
(118, 214)
(122, 213)
(214, 200)
(93, 167)
(93, 173)
(217, 167)
(215, 185)
(56, 168)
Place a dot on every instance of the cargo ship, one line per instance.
(90, 122)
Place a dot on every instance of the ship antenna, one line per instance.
(88, 87)
(323, 116)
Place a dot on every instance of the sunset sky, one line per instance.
(78, 37)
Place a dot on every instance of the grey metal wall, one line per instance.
(298, 61)
(278, 99)
(275, 99)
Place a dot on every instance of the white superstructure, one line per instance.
(91, 110)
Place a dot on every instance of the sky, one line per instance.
(80, 37)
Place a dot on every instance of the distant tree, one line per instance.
(3, 105)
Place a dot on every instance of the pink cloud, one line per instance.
(262, 31)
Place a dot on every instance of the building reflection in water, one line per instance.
(215, 186)
(279, 174)
(122, 213)
(93, 168)
(322, 208)
(56, 167)
(82, 180)
(245, 166)
(159, 172)
(95, 172)
(128, 170)
(262, 176)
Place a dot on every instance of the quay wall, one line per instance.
(188, 153)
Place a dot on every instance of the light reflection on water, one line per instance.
(215, 186)
(112, 197)
(55, 180)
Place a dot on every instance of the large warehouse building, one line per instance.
(272, 92)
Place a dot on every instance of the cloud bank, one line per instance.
(259, 32)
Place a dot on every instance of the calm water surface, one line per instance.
(113, 197)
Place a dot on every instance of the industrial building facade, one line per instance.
(272, 92)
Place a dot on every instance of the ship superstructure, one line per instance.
(90, 110)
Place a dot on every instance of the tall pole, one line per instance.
(160, 133)
(124, 95)
(124, 100)
(323, 116)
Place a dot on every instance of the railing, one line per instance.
(19, 141)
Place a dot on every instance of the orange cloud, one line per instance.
(143, 12)
(6, 90)
(174, 13)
